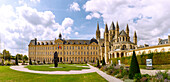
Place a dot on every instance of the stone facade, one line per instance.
(114, 41)
(76, 51)
(114, 44)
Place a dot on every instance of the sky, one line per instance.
(24, 20)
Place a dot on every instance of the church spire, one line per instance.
(112, 27)
(117, 25)
(135, 34)
(97, 26)
(135, 38)
(98, 32)
(127, 30)
(106, 29)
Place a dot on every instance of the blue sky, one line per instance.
(23, 20)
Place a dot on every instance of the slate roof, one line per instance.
(122, 33)
(163, 41)
(51, 42)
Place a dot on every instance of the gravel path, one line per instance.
(152, 72)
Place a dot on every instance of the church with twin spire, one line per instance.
(115, 43)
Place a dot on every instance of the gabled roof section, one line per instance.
(122, 33)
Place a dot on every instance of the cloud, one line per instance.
(149, 18)
(102, 32)
(93, 15)
(76, 33)
(75, 6)
(35, 1)
(21, 24)
(67, 22)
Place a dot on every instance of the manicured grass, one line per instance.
(157, 67)
(9, 75)
(65, 67)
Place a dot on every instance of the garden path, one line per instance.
(152, 72)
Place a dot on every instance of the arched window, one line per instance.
(117, 55)
(123, 39)
(123, 47)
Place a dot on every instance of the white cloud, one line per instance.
(75, 6)
(76, 33)
(150, 18)
(93, 15)
(67, 22)
(102, 32)
(21, 24)
(35, 1)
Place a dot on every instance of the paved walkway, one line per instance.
(106, 76)
(151, 72)
(92, 69)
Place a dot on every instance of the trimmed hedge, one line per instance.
(134, 66)
(157, 59)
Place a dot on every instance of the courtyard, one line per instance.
(11, 75)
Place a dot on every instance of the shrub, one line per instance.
(16, 60)
(2, 62)
(44, 61)
(119, 76)
(137, 77)
(124, 72)
(7, 63)
(134, 66)
(109, 71)
(162, 75)
(98, 64)
(104, 68)
(38, 62)
(30, 62)
(23, 61)
(115, 72)
(103, 62)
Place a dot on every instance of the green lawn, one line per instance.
(65, 67)
(9, 75)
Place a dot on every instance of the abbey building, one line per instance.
(115, 44)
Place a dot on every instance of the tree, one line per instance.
(134, 66)
(56, 59)
(98, 64)
(20, 56)
(25, 57)
(103, 62)
(6, 55)
(16, 60)
(30, 62)
(44, 61)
